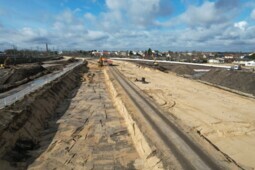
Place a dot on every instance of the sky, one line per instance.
(176, 25)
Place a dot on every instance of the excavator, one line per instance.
(155, 63)
(6, 63)
(104, 61)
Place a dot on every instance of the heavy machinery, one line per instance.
(104, 61)
(155, 63)
(100, 62)
(6, 64)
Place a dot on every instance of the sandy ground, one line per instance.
(225, 118)
(91, 134)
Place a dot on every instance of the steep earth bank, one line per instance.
(237, 80)
(21, 122)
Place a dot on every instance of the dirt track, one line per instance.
(226, 119)
(91, 134)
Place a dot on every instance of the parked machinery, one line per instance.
(104, 61)
(6, 64)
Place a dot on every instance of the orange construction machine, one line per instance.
(104, 61)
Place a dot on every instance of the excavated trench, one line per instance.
(74, 124)
(21, 123)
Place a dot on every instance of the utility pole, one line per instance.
(47, 47)
(14, 49)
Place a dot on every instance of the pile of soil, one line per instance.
(4, 75)
(21, 72)
(178, 69)
(237, 80)
(182, 69)
(18, 75)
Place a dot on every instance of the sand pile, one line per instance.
(237, 80)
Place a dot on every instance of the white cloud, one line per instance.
(139, 13)
(253, 14)
(89, 16)
(201, 15)
(210, 13)
(116, 4)
(77, 10)
(132, 24)
(242, 25)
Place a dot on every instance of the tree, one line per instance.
(149, 52)
(252, 57)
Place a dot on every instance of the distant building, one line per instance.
(250, 63)
(123, 53)
(140, 53)
(106, 53)
(97, 53)
(216, 61)
(228, 56)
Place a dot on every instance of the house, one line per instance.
(97, 53)
(140, 53)
(216, 61)
(123, 53)
(228, 56)
(250, 63)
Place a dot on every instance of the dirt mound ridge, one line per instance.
(182, 69)
(23, 71)
(237, 80)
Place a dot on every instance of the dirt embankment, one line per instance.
(237, 80)
(21, 122)
(20, 74)
(182, 69)
(23, 73)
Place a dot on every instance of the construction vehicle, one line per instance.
(6, 64)
(155, 63)
(100, 62)
(104, 61)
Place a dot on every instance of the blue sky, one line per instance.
(178, 25)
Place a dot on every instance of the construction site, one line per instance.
(109, 114)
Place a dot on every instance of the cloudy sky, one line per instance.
(178, 25)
